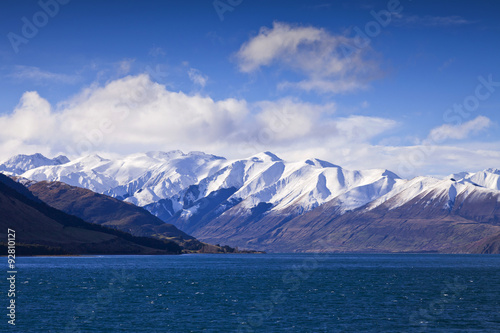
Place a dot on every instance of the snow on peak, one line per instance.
(404, 191)
(146, 178)
(166, 156)
(94, 158)
(161, 155)
(265, 157)
(320, 163)
(390, 174)
(61, 159)
(21, 163)
(302, 185)
(204, 155)
(444, 191)
(493, 170)
(489, 178)
(458, 176)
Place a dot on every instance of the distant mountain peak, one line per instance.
(61, 159)
(161, 155)
(200, 153)
(265, 156)
(493, 170)
(458, 176)
(320, 163)
(91, 158)
(489, 178)
(21, 163)
(390, 174)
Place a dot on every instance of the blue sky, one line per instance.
(300, 78)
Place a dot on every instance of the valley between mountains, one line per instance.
(265, 203)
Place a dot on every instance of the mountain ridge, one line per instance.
(246, 202)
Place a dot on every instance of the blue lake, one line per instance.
(257, 293)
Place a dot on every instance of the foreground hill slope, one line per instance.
(104, 210)
(41, 229)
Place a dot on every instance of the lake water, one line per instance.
(257, 293)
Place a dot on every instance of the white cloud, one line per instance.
(362, 128)
(39, 76)
(135, 114)
(443, 160)
(458, 132)
(329, 63)
(126, 115)
(281, 41)
(197, 77)
(290, 119)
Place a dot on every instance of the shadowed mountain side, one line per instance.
(101, 209)
(424, 224)
(41, 229)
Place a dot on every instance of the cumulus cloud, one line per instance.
(458, 132)
(329, 63)
(129, 114)
(134, 114)
(290, 119)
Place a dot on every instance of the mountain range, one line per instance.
(264, 202)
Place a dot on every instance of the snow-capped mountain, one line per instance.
(461, 183)
(256, 201)
(21, 163)
(489, 178)
(139, 178)
(421, 214)
(145, 179)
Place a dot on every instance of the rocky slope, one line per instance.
(41, 229)
(110, 212)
